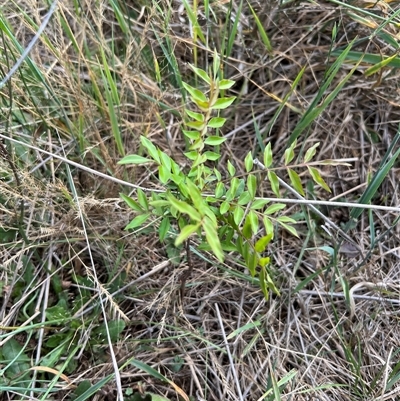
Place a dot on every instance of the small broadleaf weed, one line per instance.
(225, 215)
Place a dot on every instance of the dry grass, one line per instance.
(336, 324)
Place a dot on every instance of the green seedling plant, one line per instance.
(222, 212)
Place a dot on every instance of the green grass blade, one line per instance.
(24, 54)
(365, 11)
(378, 66)
(259, 137)
(385, 22)
(67, 30)
(93, 389)
(149, 370)
(120, 17)
(169, 55)
(261, 30)
(314, 110)
(193, 19)
(370, 58)
(284, 101)
(232, 29)
(113, 103)
(383, 170)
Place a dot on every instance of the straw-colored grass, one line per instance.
(90, 311)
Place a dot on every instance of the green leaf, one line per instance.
(224, 207)
(225, 84)
(238, 214)
(216, 63)
(231, 168)
(268, 155)
(164, 174)
(195, 196)
(13, 352)
(296, 181)
(186, 232)
(195, 93)
(267, 284)
(216, 122)
(252, 185)
(203, 106)
(193, 135)
(214, 140)
(157, 210)
(263, 242)
(165, 160)
(289, 153)
(182, 222)
(177, 179)
(212, 238)
(244, 198)
(159, 203)
(142, 198)
(197, 125)
(223, 103)
(274, 208)
(184, 208)
(291, 229)
(134, 159)
(212, 155)
(113, 327)
(197, 146)
(240, 188)
(286, 219)
(253, 217)
(248, 162)
(233, 189)
(310, 153)
(259, 204)
(219, 190)
(137, 221)
(199, 160)
(251, 260)
(196, 116)
(151, 149)
(246, 230)
(264, 261)
(201, 73)
(217, 174)
(164, 228)
(211, 214)
(263, 283)
(269, 227)
(131, 203)
(211, 199)
(273, 180)
(191, 155)
(316, 176)
(175, 168)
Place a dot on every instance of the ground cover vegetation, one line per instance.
(199, 200)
